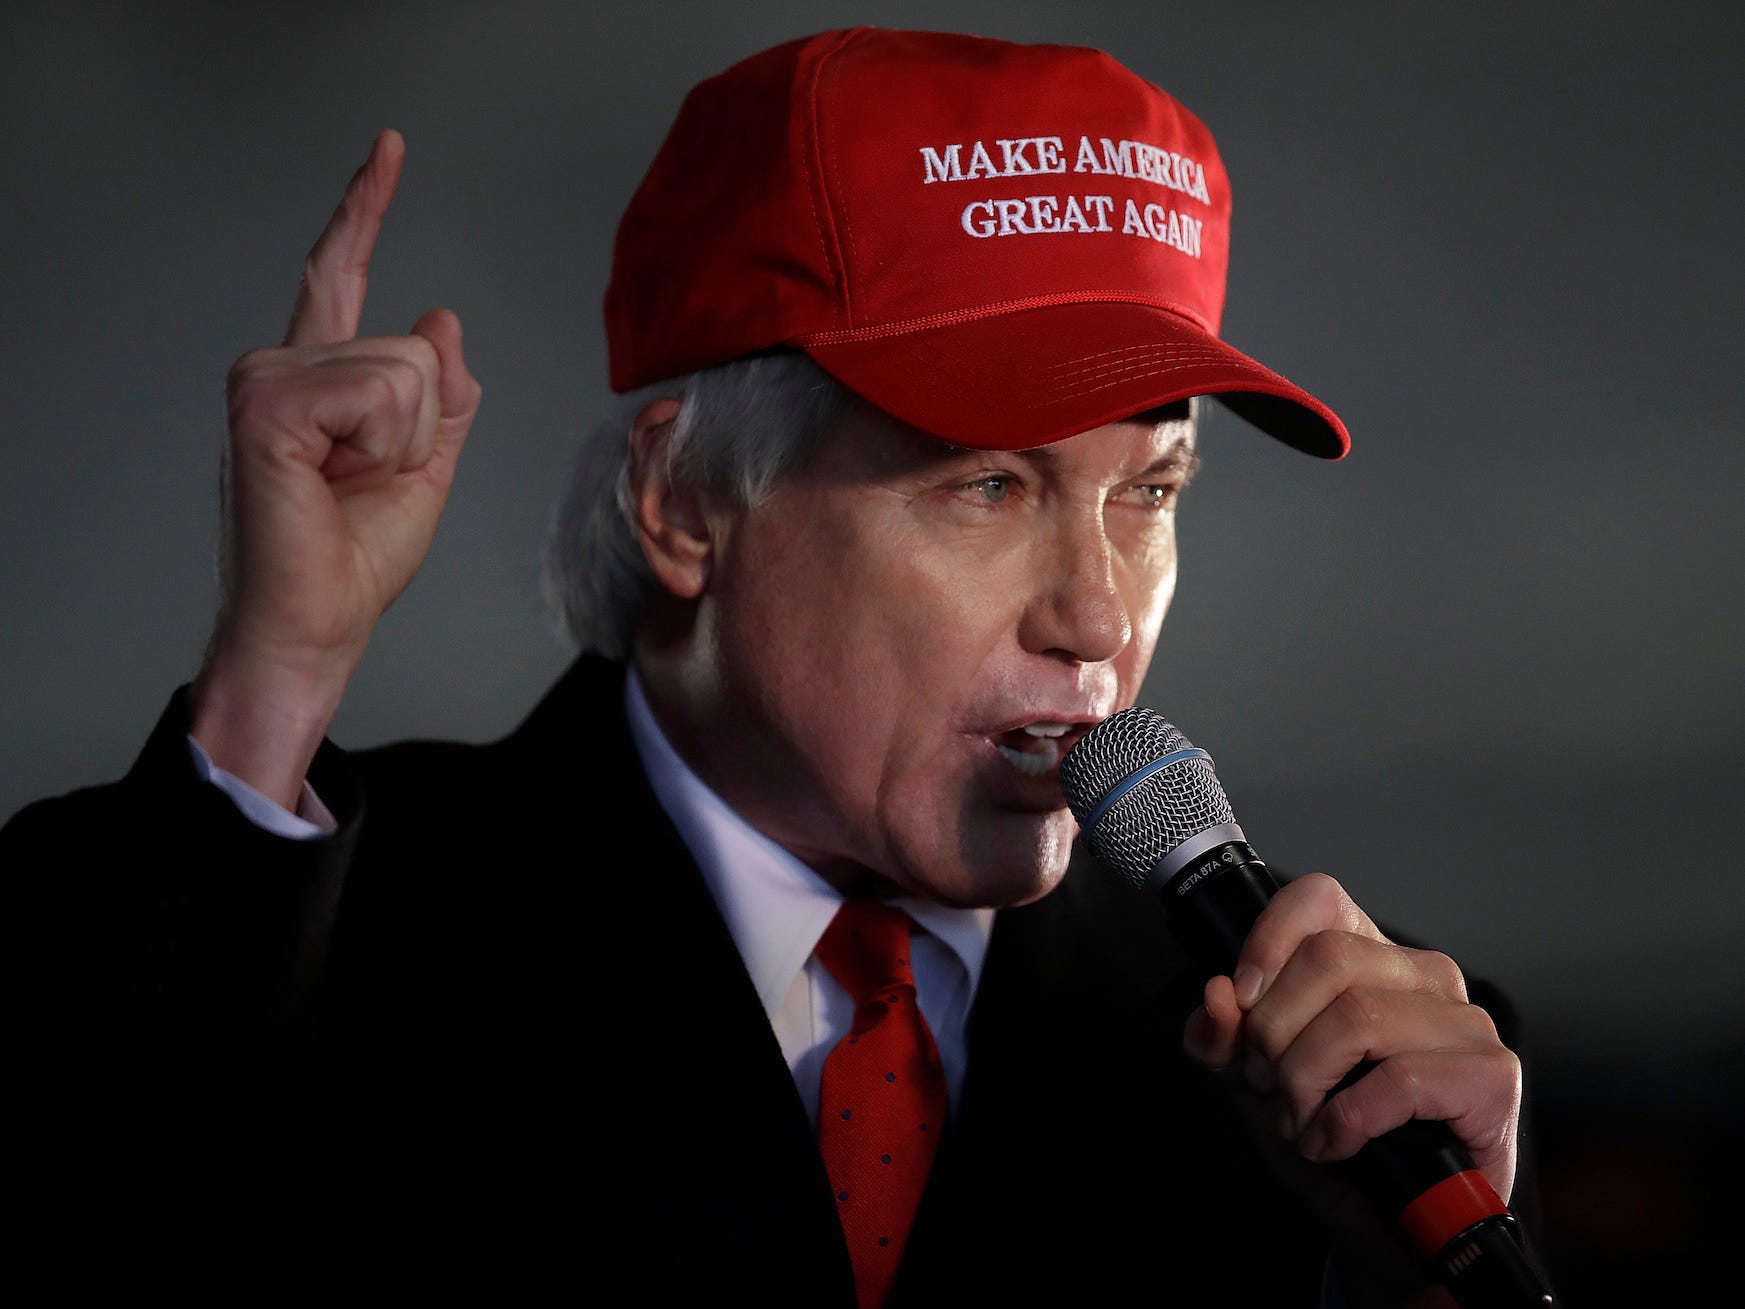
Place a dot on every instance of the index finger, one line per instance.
(1311, 904)
(330, 302)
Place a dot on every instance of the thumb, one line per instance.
(1212, 1037)
(458, 392)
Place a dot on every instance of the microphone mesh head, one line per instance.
(1152, 817)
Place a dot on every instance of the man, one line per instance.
(911, 328)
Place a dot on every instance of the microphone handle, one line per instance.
(1419, 1175)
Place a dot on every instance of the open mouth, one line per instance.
(1036, 748)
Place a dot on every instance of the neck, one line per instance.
(694, 714)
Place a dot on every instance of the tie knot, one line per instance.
(866, 948)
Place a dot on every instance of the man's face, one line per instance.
(904, 639)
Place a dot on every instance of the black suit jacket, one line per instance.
(493, 1039)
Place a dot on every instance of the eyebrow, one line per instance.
(1182, 452)
(1182, 455)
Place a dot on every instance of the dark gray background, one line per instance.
(1485, 670)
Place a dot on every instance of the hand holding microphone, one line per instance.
(1369, 1050)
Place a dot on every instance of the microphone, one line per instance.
(1150, 805)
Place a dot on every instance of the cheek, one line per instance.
(1158, 590)
(882, 597)
(856, 639)
(1150, 588)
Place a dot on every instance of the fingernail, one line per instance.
(1247, 979)
(1313, 1141)
(1257, 1071)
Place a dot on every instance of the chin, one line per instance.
(998, 862)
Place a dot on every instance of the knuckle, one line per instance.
(1331, 951)
(250, 385)
(421, 353)
(397, 385)
(1320, 886)
(1359, 1011)
(1443, 971)
(1406, 1077)
(1342, 1116)
(1266, 1033)
(249, 366)
(423, 367)
(1507, 1065)
(1483, 1027)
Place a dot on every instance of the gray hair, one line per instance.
(739, 427)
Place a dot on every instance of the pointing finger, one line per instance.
(330, 302)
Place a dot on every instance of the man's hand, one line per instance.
(1318, 990)
(340, 458)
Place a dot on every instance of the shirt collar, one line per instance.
(775, 907)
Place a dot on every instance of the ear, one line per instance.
(670, 520)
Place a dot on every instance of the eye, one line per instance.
(1154, 495)
(992, 489)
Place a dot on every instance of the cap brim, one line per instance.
(1015, 380)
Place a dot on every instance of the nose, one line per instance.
(1076, 611)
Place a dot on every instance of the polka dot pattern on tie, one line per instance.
(881, 1086)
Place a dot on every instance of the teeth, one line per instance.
(1032, 763)
(1046, 729)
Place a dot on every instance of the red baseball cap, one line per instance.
(999, 244)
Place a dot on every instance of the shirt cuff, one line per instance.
(311, 822)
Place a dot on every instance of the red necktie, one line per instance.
(881, 1102)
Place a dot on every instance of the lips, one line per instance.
(1026, 732)
(1034, 749)
(1030, 756)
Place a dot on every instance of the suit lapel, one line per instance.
(1072, 1042)
(645, 1046)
